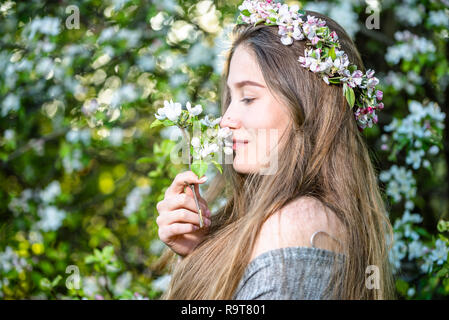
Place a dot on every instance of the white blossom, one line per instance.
(171, 110)
(134, 199)
(161, 283)
(195, 110)
(50, 218)
(51, 192)
(439, 254)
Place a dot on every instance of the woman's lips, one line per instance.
(238, 143)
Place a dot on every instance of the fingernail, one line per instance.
(203, 179)
(207, 222)
(208, 212)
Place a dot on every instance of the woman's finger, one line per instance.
(181, 201)
(180, 181)
(176, 229)
(179, 216)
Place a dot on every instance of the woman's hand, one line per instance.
(178, 218)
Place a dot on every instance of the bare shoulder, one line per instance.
(294, 224)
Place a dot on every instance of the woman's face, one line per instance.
(256, 118)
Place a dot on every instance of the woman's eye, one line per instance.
(247, 100)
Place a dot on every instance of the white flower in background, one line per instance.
(134, 199)
(400, 81)
(131, 37)
(206, 121)
(199, 54)
(414, 158)
(118, 4)
(51, 218)
(171, 110)
(45, 25)
(116, 136)
(90, 106)
(410, 14)
(195, 110)
(416, 250)
(228, 150)
(409, 233)
(397, 253)
(4, 8)
(10, 103)
(438, 18)
(439, 254)
(195, 142)
(124, 94)
(9, 134)
(122, 283)
(45, 66)
(106, 34)
(411, 292)
(433, 150)
(72, 162)
(208, 149)
(342, 12)
(224, 133)
(22, 202)
(409, 45)
(173, 133)
(90, 286)
(146, 63)
(51, 192)
(161, 283)
(401, 183)
(427, 266)
(177, 79)
(35, 237)
(77, 135)
(9, 260)
(411, 218)
(157, 246)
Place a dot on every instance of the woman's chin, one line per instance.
(244, 167)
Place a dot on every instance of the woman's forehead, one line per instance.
(244, 69)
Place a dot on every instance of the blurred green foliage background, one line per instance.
(81, 172)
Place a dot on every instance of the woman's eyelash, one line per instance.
(248, 100)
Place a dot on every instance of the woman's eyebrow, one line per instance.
(247, 83)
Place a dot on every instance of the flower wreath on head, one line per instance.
(322, 54)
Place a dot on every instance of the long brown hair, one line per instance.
(327, 160)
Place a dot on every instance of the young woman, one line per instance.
(313, 228)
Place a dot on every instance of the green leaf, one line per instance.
(246, 13)
(352, 68)
(90, 259)
(56, 281)
(218, 166)
(442, 226)
(442, 273)
(156, 123)
(144, 160)
(199, 167)
(349, 94)
(332, 53)
(402, 286)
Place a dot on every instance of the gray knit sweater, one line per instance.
(307, 273)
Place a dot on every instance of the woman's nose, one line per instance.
(228, 121)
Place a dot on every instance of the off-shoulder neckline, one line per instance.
(307, 251)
